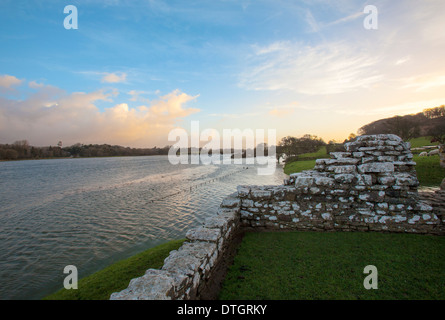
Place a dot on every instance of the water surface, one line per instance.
(94, 211)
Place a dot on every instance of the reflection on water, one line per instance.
(92, 212)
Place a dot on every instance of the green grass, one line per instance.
(329, 266)
(429, 171)
(100, 285)
(421, 142)
(306, 161)
(298, 166)
(321, 153)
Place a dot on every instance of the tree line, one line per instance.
(21, 150)
(429, 122)
(291, 147)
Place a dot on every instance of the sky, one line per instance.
(134, 70)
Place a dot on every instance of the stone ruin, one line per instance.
(372, 186)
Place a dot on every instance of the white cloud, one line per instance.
(425, 82)
(403, 57)
(402, 61)
(7, 81)
(35, 85)
(342, 12)
(114, 77)
(348, 18)
(327, 68)
(310, 20)
(392, 110)
(138, 95)
(50, 115)
(105, 77)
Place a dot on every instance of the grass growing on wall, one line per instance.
(330, 266)
(100, 285)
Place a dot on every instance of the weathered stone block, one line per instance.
(302, 181)
(243, 191)
(231, 202)
(345, 178)
(341, 161)
(364, 180)
(386, 179)
(376, 167)
(340, 155)
(182, 262)
(364, 149)
(216, 222)
(385, 158)
(247, 203)
(203, 234)
(341, 169)
(153, 285)
(323, 181)
(260, 194)
(200, 249)
(406, 179)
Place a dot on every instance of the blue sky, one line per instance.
(133, 70)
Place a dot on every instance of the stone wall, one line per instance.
(370, 187)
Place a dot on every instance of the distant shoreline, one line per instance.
(61, 158)
(96, 157)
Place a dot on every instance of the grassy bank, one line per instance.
(100, 285)
(329, 266)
